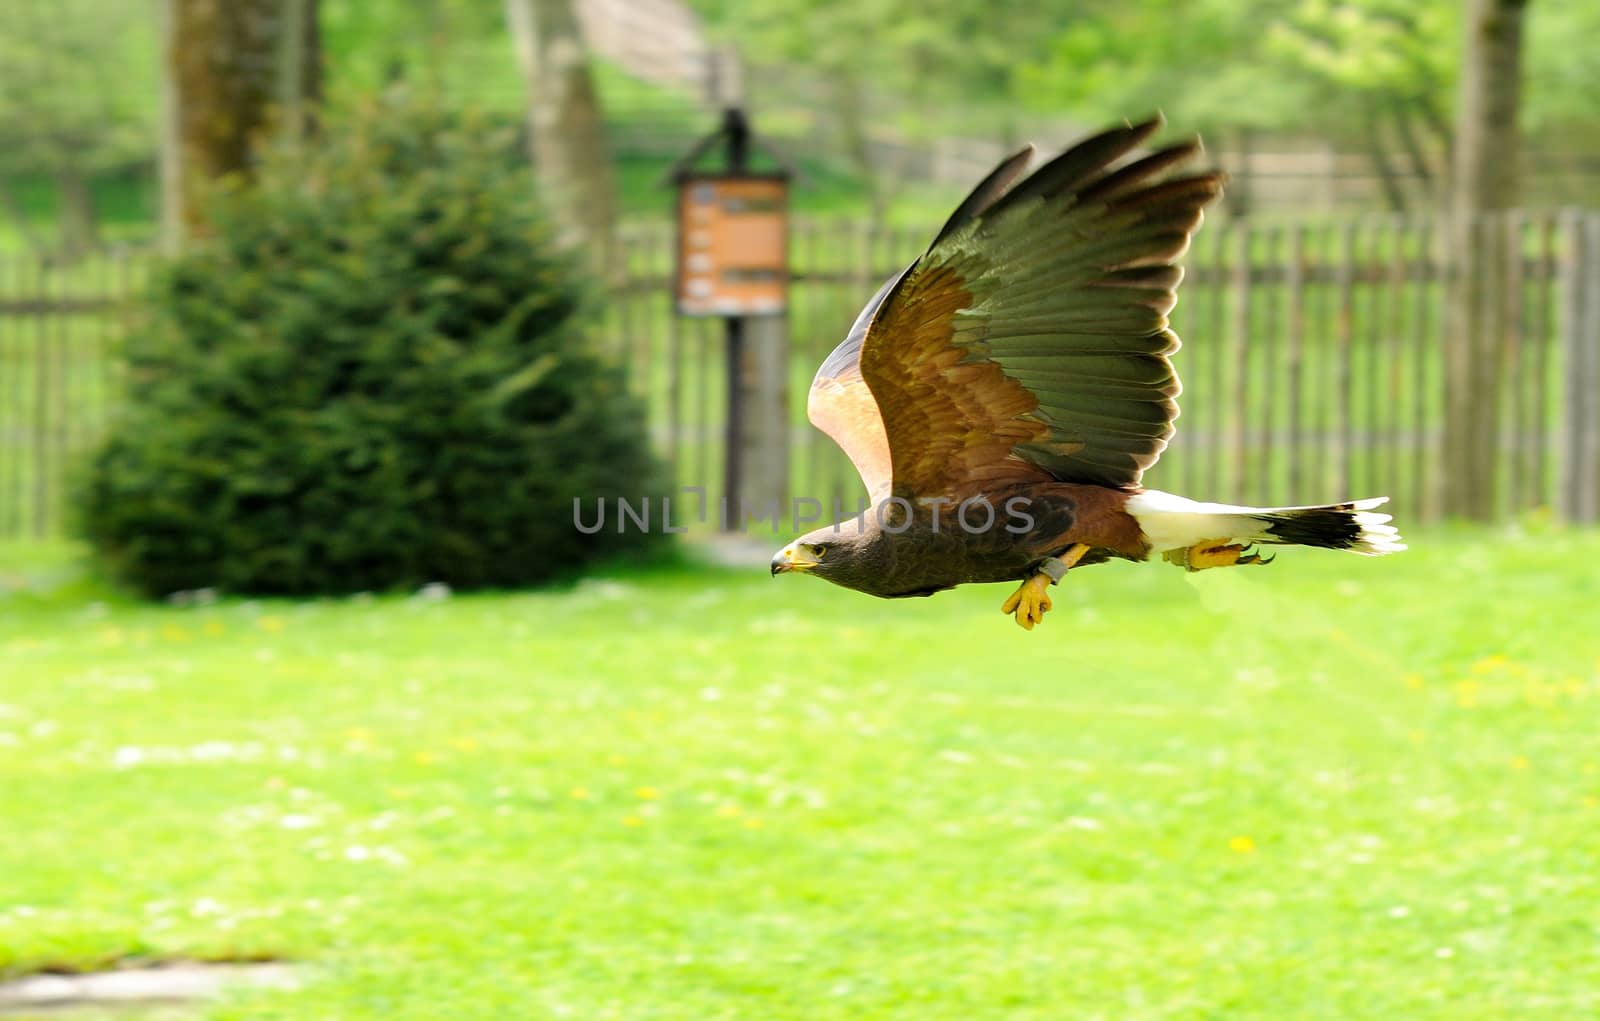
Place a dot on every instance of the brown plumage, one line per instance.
(1024, 357)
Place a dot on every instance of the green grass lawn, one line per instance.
(1338, 788)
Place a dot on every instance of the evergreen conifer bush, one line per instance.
(372, 374)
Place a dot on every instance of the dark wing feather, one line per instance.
(1030, 342)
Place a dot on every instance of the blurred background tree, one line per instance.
(77, 87)
(226, 65)
(885, 104)
(566, 133)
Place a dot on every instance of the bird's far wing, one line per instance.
(839, 403)
(1030, 342)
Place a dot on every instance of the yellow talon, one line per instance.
(1029, 602)
(1214, 553)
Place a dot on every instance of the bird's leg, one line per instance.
(1030, 601)
(1214, 553)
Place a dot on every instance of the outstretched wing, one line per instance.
(840, 403)
(1030, 342)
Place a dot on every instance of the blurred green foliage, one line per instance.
(78, 85)
(1308, 67)
(79, 96)
(374, 375)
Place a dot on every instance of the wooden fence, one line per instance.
(60, 324)
(1312, 362)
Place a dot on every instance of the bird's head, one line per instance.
(836, 552)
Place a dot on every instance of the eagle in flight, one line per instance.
(1003, 395)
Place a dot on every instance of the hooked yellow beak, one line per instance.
(793, 557)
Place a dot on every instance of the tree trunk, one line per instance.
(80, 223)
(1444, 136)
(1486, 156)
(566, 134)
(221, 76)
(1421, 169)
(1394, 195)
(300, 70)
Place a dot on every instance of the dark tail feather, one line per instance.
(1348, 526)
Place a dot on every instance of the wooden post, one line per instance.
(1243, 466)
(1589, 340)
(1394, 358)
(1577, 262)
(41, 405)
(724, 272)
(1421, 365)
(1269, 491)
(1216, 353)
(1516, 360)
(1486, 158)
(1294, 407)
(764, 384)
(1541, 368)
(1344, 325)
(733, 436)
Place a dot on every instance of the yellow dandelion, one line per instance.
(1591, 802)
(579, 794)
(752, 823)
(728, 811)
(425, 758)
(1489, 664)
(111, 636)
(1519, 762)
(632, 820)
(174, 633)
(466, 744)
(1242, 845)
(616, 760)
(647, 793)
(1417, 737)
(1415, 682)
(213, 628)
(270, 623)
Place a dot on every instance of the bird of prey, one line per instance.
(1003, 395)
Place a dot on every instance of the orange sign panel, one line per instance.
(733, 246)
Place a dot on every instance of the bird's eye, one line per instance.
(818, 550)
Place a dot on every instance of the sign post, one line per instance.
(732, 263)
